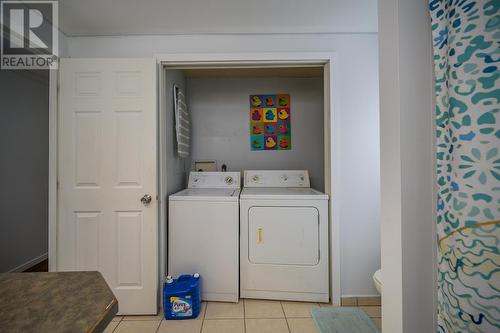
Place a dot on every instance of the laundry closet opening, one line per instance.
(222, 131)
(221, 126)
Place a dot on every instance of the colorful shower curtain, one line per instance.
(466, 37)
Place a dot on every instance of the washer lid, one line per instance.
(276, 193)
(206, 194)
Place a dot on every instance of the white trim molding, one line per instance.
(53, 128)
(29, 263)
(327, 60)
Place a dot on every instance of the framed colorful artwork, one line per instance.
(270, 121)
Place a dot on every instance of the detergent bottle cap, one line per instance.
(196, 275)
(169, 279)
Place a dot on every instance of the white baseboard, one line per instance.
(30, 263)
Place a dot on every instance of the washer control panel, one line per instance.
(276, 178)
(214, 180)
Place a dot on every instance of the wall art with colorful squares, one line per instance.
(270, 122)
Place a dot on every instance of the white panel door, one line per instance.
(283, 235)
(106, 164)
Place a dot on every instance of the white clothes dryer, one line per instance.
(283, 237)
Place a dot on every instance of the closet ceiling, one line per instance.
(139, 17)
(254, 72)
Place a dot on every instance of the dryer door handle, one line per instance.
(260, 232)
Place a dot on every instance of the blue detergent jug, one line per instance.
(182, 297)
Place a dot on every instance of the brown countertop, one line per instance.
(55, 302)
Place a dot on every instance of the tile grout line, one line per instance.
(236, 318)
(119, 322)
(244, 317)
(286, 319)
(114, 329)
(204, 314)
(162, 318)
(158, 328)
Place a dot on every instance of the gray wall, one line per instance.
(23, 167)
(174, 17)
(357, 193)
(220, 123)
(351, 33)
(407, 167)
(176, 167)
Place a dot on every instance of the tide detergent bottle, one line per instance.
(182, 297)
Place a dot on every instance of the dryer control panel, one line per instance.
(214, 180)
(276, 178)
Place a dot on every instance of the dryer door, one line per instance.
(283, 235)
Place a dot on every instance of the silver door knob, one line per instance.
(146, 199)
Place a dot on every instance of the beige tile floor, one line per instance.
(247, 316)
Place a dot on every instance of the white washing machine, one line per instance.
(283, 237)
(203, 225)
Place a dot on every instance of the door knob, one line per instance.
(146, 199)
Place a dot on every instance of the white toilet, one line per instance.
(377, 279)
